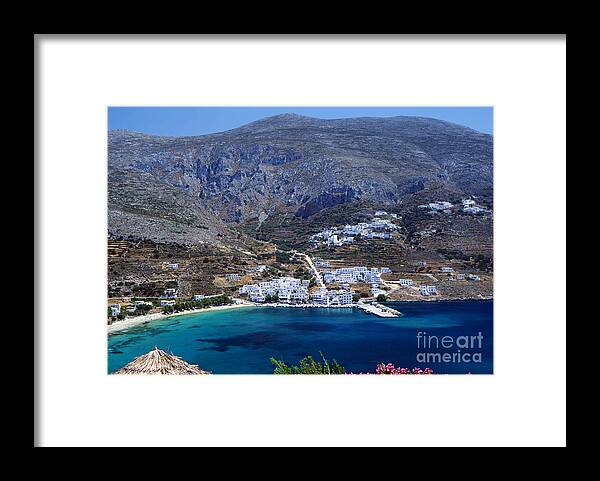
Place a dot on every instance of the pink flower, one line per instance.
(389, 368)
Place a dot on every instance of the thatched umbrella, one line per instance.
(159, 362)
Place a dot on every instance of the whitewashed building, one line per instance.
(474, 210)
(170, 293)
(321, 262)
(338, 236)
(326, 297)
(352, 275)
(437, 206)
(286, 289)
(166, 302)
(115, 309)
(257, 297)
(328, 277)
(406, 282)
(428, 290)
(375, 291)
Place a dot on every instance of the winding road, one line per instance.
(312, 267)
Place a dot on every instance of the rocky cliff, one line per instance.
(194, 187)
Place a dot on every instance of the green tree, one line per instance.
(381, 298)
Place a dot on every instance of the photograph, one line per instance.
(313, 240)
(300, 240)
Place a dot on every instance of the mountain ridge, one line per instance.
(292, 116)
(292, 164)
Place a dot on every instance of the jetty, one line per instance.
(379, 310)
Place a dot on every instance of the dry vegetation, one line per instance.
(160, 362)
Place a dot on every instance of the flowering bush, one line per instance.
(308, 365)
(389, 368)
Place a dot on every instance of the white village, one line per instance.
(377, 228)
(338, 287)
(469, 206)
(331, 287)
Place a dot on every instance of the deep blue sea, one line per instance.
(241, 341)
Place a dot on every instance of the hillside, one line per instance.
(219, 202)
(290, 163)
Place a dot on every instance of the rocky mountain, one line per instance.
(192, 189)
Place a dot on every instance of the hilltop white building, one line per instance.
(337, 236)
(406, 282)
(378, 235)
(437, 206)
(474, 210)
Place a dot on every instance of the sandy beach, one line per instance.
(138, 320)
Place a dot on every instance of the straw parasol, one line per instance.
(159, 362)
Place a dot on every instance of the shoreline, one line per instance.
(450, 299)
(139, 320)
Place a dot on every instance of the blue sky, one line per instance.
(207, 120)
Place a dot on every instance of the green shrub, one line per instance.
(308, 365)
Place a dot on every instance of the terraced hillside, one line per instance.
(224, 203)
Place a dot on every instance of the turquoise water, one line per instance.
(241, 341)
